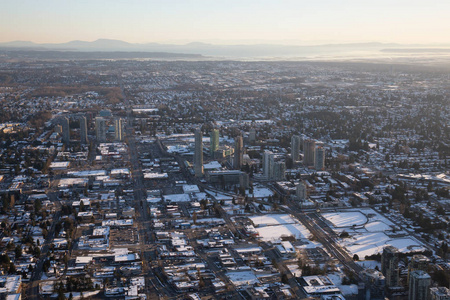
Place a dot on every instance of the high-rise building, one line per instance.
(319, 158)
(418, 262)
(214, 141)
(100, 129)
(244, 181)
(58, 129)
(118, 127)
(419, 285)
(375, 284)
(198, 153)
(252, 135)
(279, 171)
(83, 130)
(295, 148)
(439, 293)
(308, 152)
(301, 191)
(389, 265)
(266, 163)
(238, 152)
(65, 130)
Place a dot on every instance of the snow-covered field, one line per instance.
(369, 232)
(273, 227)
(273, 233)
(370, 219)
(372, 243)
(272, 219)
(346, 219)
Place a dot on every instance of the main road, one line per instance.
(326, 236)
(153, 288)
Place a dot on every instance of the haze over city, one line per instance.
(227, 22)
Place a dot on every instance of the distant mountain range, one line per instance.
(259, 50)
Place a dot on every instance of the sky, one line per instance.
(227, 21)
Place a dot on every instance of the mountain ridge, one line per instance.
(232, 50)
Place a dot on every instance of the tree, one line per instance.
(355, 257)
(194, 217)
(18, 251)
(12, 268)
(344, 235)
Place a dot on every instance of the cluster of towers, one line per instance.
(313, 153)
(64, 123)
(214, 147)
(101, 129)
(274, 167)
(418, 280)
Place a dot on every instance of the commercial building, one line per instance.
(244, 180)
(238, 152)
(295, 148)
(301, 191)
(118, 127)
(252, 135)
(83, 130)
(418, 262)
(309, 152)
(65, 130)
(319, 287)
(224, 177)
(319, 158)
(100, 129)
(439, 293)
(389, 265)
(278, 171)
(375, 283)
(198, 153)
(419, 284)
(214, 141)
(266, 163)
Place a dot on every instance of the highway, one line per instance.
(326, 236)
(154, 289)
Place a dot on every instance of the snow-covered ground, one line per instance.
(219, 196)
(346, 219)
(274, 233)
(272, 219)
(371, 220)
(369, 264)
(346, 290)
(295, 270)
(273, 227)
(369, 232)
(260, 193)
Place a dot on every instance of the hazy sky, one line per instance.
(227, 21)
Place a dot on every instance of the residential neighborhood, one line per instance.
(159, 179)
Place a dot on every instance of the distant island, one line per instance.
(18, 53)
